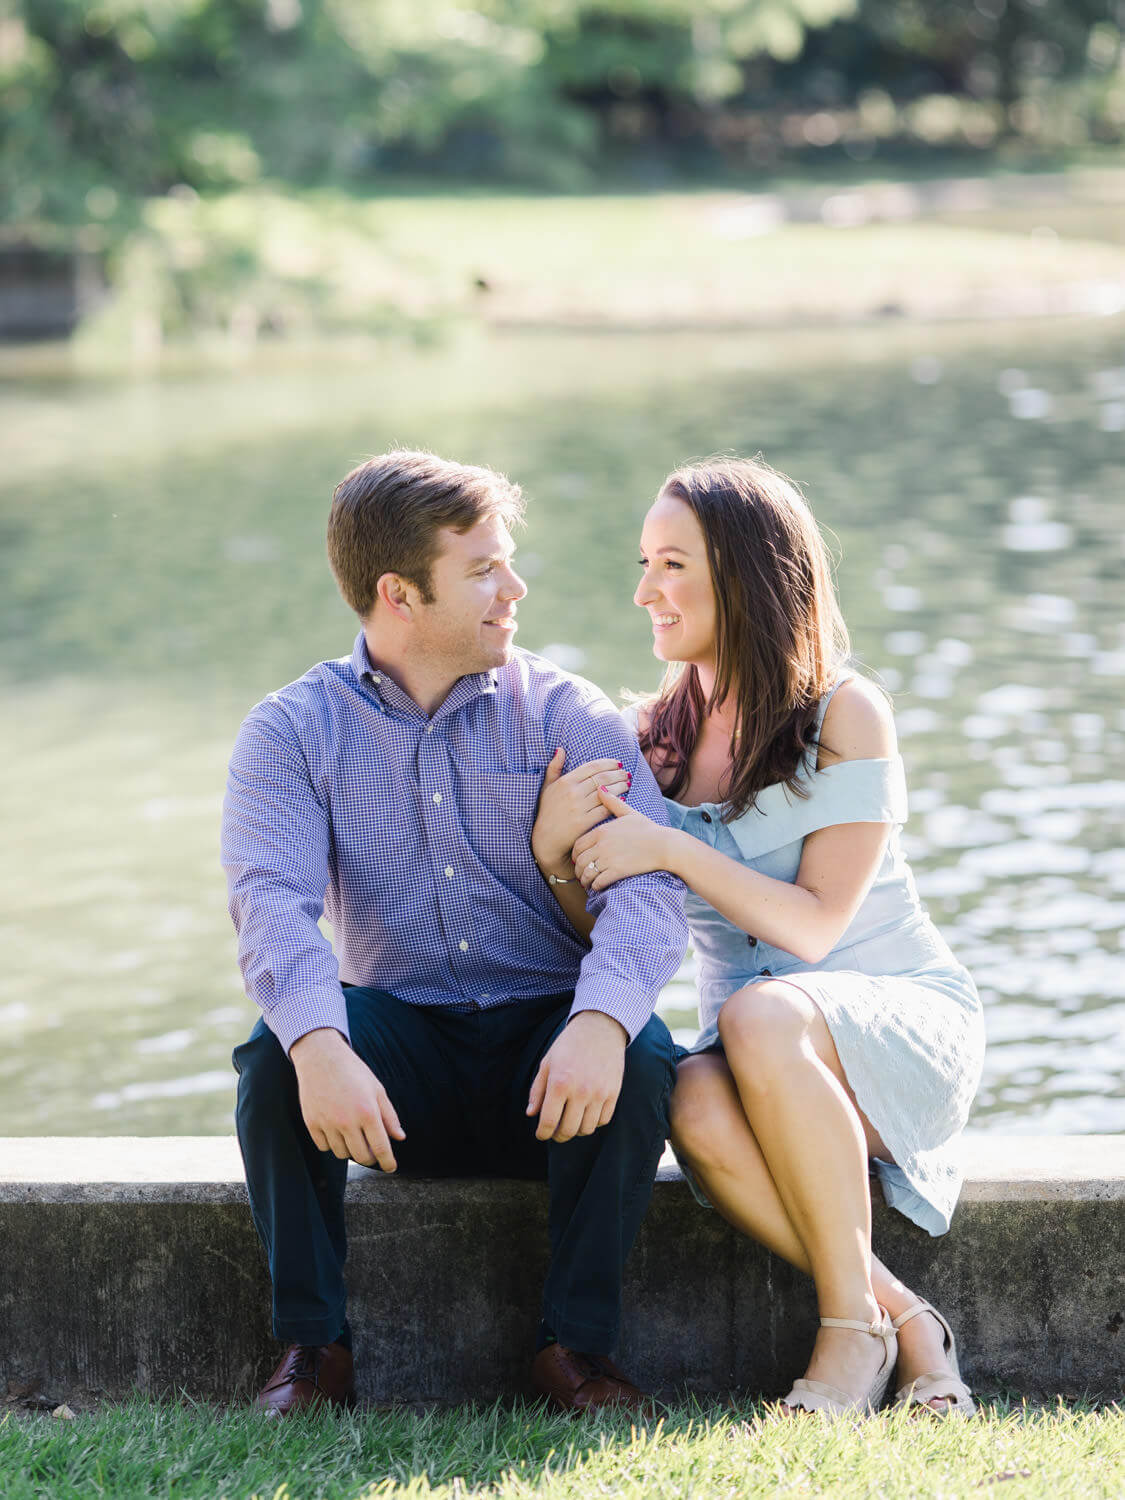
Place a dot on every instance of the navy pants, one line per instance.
(459, 1082)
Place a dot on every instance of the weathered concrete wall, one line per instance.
(134, 1263)
(44, 293)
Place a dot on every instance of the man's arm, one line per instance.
(640, 931)
(275, 843)
(637, 942)
(569, 806)
(275, 852)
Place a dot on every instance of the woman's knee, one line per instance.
(704, 1105)
(766, 1024)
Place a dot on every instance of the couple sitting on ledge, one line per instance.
(505, 861)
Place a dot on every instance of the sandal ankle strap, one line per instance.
(876, 1330)
(913, 1311)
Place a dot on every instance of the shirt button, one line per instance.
(463, 945)
(486, 997)
(753, 941)
(376, 678)
(429, 729)
(449, 872)
(707, 817)
(437, 796)
(767, 973)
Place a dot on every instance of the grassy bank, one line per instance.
(228, 271)
(149, 1449)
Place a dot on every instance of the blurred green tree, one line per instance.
(104, 102)
(121, 98)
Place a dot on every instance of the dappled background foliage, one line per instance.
(104, 103)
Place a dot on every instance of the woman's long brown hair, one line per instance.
(779, 635)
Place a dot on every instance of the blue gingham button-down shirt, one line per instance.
(412, 834)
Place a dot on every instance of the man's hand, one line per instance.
(579, 1079)
(346, 1108)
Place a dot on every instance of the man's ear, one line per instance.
(397, 595)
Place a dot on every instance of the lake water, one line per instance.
(161, 546)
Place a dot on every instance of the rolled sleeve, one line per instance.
(276, 842)
(640, 932)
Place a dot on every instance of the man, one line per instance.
(462, 1027)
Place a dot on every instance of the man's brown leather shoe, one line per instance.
(586, 1382)
(309, 1375)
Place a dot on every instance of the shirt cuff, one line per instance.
(629, 1004)
(291, 1019)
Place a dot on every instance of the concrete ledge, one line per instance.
(133, 1263)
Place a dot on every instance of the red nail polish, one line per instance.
(620, 765)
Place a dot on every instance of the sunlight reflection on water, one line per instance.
(168, 584)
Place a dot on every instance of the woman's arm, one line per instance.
(568, 806)
(572, 896)
(838, 864)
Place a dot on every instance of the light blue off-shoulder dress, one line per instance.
(903, 1013)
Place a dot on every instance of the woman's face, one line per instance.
(676, 587)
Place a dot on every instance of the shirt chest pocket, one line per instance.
(501, 804)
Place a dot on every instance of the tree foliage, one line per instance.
(106, 102)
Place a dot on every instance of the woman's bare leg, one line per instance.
(711, 1132)
(712, 1135)
(813, 1143)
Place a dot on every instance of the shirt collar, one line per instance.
(390, 696)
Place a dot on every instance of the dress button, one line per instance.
(437, 796)
(753, 941)
(767, 973)
(463, 945)
(707, 817)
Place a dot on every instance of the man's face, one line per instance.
(471, 623)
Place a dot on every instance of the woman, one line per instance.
(838, 1031)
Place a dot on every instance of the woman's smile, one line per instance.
(675, 587)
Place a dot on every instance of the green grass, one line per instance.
(146, 1448)
(265, 262)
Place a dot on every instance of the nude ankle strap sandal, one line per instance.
(815, 1395)
(937, 1385)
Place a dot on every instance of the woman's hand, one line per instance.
(569, 806)
(630, 845)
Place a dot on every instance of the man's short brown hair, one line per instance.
(386, 515)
